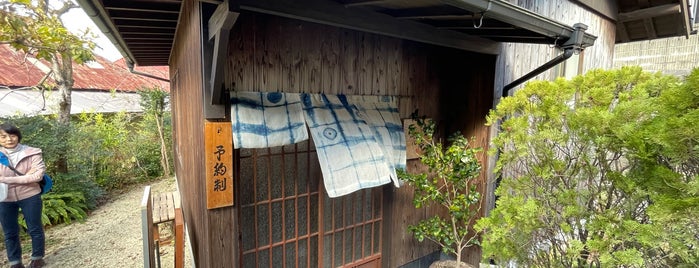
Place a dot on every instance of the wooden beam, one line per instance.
(686, 19)
(650, 12)
(215, 2)
(623, 33)
(650, 28)
(144, 7)
(220, 55)
(224, 17)
(358, 18)
(438, 17)
(364, 3)
(219, 27)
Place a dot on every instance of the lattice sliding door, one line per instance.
(279, 206)
(352, 229)
(281, 218)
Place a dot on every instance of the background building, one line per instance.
(100, 85)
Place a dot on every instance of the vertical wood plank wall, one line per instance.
(269, 53)
(516, 60)
(211, 232)
(185, 68)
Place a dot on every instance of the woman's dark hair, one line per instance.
(12, 130)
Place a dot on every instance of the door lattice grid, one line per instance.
(281, 218)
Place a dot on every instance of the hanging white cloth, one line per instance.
(359, 139)
(381, 113)
(350, 155)
(262, 120)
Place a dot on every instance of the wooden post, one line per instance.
(147, 228)
(179, 239)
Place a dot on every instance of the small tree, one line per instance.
(35, 28)
(448, 185)
(154, 102)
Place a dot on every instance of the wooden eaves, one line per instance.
(157, 20)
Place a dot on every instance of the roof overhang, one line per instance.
(523, 26)
(636, 22)
(144, 30)
(523, 18)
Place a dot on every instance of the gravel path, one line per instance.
(110, 237)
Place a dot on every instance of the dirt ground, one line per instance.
(110, 237)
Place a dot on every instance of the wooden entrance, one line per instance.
(287, 219)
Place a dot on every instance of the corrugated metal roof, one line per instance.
(13, 73)
(20, 70)
(100, 86)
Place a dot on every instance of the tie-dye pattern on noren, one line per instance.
(262, 120)
(359, 139)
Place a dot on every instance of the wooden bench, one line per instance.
(157, 209)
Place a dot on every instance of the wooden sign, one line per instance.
(218, 141)
(412, 151)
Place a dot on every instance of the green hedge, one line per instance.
(105, 153)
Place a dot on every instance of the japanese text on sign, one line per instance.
(219, 159)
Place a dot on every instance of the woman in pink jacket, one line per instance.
(23, 192)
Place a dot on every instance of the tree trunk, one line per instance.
(458, 257)
(63, 75)
(164, 162)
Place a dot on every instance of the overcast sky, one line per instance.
(76, 20)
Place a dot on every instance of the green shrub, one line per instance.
(101, 147)
(598, 171)
(79, 181)
(106, 152)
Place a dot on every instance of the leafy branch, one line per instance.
(449, 184)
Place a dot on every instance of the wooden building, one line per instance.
(452, 60)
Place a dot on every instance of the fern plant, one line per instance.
(64, 207)
(61, 208)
